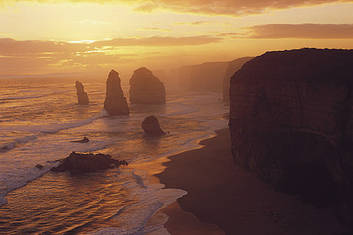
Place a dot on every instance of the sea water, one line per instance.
(39, 119)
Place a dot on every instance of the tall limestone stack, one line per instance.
(115, 101)
(145, 88)
(291, 121)
(82, 96)
(233, 66)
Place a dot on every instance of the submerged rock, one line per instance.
(84, 140)
(291, 121)
(151, 126)
(115, 101)
(80, 162)
(82, 96)
(145, 88)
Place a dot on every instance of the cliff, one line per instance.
(145, 88)
(115, 101)
(82, 97)
(203, 77)
(233, 66)
(291, 122)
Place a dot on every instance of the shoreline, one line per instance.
(225, 199)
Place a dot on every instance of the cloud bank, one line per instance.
(313, 31)
(223, 7)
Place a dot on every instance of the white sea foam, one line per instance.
(134, 218)
(39, 130)
(188, 118)
(52, 128)
(27, 176)
(8, 146)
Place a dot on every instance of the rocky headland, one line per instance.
(233, 66)
(291, 122)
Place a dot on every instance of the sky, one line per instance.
(92, 36)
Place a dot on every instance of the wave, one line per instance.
(40, 130)
(8, 146)
(31, 96)
(151, 199)
(30, 175)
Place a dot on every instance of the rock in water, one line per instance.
(82, 96)
(39, 166)
(291, 121)
(115, 101)
(84, 140)
(233, 66)
(79, 163)
(145, 88)
(151, 126)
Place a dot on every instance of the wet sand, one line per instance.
(224, 199)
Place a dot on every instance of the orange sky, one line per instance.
(91, 36)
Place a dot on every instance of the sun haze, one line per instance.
(88, 36)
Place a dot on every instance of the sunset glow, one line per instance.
(92, 36)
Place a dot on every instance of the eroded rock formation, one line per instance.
(82, 96)
(145, 88)
(151, 126)
(80, 162)
(115, 101)
(233, 66)
(291, 122)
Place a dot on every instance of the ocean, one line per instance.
(39, 119)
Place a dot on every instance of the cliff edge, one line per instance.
(291, 122)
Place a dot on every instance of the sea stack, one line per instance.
(233, 66)
(151, 127)
(82, 96)
(145, 88)
(115, 101)
(291, 122)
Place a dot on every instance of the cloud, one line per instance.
(223, 7)
(33, 56)
(314, 31)
(11, 47)
(158, 41)
(201, 22)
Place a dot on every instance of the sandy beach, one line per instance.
(224, 199)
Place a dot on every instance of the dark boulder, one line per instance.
(151, 126)
(82, 96)
(145, 88)
(115, 101)
(291, 122)
(39, 166)
(80, 162)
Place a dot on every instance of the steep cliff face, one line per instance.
(145, 88)
(203, 77)
(115, 101)
(291, 121)
(82, 96)
(233, 66)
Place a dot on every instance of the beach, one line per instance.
(225, 199)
